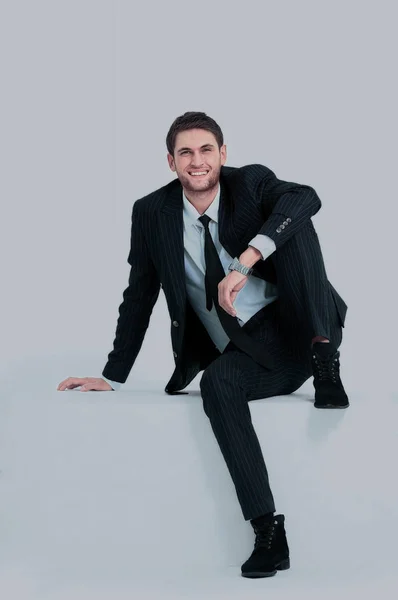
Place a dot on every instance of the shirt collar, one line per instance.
(192, 215)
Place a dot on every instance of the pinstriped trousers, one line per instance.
(304, 309)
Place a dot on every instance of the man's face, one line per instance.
(197, 160)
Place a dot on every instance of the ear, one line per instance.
(171, 162)
(223, 153)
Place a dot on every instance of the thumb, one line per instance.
(93, 386)
(86, 387)
(240, 285)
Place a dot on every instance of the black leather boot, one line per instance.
(329, 390)
(271, 552)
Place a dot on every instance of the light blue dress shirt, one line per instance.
(256, 293)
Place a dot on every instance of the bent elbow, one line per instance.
(313, 200)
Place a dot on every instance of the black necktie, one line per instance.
(214, 274)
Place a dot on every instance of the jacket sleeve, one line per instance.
(292, 205)
(138, 301)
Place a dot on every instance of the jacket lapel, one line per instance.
(171, 230)
(226, 231)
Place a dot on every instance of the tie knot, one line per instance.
(205, 220)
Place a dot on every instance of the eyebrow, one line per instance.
(204, 146)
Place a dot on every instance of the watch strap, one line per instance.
(237, 266)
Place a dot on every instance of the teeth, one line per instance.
(201, 173)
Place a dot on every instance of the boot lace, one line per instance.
(264, 536)
(327, 368)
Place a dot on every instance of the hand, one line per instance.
(86, 383)
(228, 289)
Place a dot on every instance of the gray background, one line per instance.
(88, 92)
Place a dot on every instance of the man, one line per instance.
(239, 261)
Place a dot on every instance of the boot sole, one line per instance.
(331, 405)
(283, 566)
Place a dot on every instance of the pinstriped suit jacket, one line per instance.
(252, 201)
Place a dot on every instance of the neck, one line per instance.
(202, 200)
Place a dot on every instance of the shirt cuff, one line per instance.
(114, 384)
(263, 244)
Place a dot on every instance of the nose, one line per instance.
(197, 160)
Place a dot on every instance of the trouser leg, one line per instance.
(305, 298)
(227, 385)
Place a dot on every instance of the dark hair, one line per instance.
(193, 120)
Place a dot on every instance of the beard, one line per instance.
(202, 185)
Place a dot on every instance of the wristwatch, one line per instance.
(237, 266)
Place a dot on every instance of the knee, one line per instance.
(217, 380)
(212, 375)
(222, 383)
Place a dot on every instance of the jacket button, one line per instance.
(289, 220)
(175, 323)
(175, 354)
(278, 230)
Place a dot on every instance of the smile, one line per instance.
(198, 173)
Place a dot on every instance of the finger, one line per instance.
(87, 387)
(228, 293)
(94, 383)
(63, 383)
(94, 386)
(223, 298)
(240, 285)
(71, 382)
(226, 304)
(230, 306)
